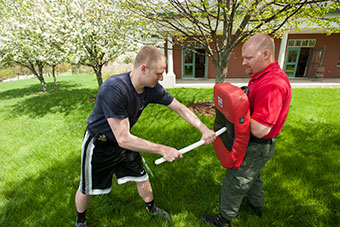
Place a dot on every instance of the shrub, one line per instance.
(5, 73)
(63, 67)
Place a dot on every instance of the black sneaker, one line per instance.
(81, 224)
(159, 212)
(257, 210)
(216, 220)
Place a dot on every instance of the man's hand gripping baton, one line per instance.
(192, 146)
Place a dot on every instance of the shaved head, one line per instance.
(258, 53)
(261, 42)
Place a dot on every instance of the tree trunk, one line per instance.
(42, 82)
(53, 75)
(98, 71)
(41, 77)
(222, 67)
(38, 74)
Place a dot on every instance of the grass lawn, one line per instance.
(41, 136)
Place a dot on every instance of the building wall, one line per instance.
(211, 67)
(177, 55)
(236, 70)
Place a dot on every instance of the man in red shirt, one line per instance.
(270, 94)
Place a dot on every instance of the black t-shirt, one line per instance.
(117, 98)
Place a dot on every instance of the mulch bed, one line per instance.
(204, 108)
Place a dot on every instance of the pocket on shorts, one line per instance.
(132, 155)
(105, 148)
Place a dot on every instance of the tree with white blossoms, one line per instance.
(218, 26)
(38, 33)
(100, 31)
(28, 36)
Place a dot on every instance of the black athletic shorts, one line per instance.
(99, 160)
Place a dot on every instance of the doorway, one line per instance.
(298, 55)
(193, 63)
(200, 63)
(302, 62)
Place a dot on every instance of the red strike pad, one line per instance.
(233, 103)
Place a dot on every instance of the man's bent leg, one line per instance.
(145, 190)
(82, 201)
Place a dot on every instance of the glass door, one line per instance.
(292, 59)
(188, 69)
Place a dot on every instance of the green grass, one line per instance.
(41, 136)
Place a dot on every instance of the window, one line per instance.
(338, 65)
(312, 42)
(305, 43)
(301, 42)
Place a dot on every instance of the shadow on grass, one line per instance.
(301, 180)
(65, 99)
(190, 187)
(33, 88)
(47, 199)
(42, 199)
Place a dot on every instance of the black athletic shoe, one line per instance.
(216, 220)
(257, 210)
(81, 224)
(159, 212)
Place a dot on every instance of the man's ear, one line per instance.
(266, 54)
(143, 67)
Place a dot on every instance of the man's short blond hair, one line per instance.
(149, 55)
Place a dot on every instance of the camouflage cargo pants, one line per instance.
(246, 180)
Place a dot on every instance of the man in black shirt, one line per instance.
(109, 147)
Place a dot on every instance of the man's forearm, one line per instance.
(190, 117)
(138, 144)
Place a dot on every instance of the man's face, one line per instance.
(154, 74)
(253, 59)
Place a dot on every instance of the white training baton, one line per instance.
(192, 146)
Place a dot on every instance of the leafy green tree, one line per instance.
(219, 26)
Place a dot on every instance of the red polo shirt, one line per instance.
(270, 94)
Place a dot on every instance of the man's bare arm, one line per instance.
(207, 135)
(259, 130)
(121, 131)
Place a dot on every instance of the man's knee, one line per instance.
(144, 186)
(238, 183)
(143, 183)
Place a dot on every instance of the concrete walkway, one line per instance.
(295, 82)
